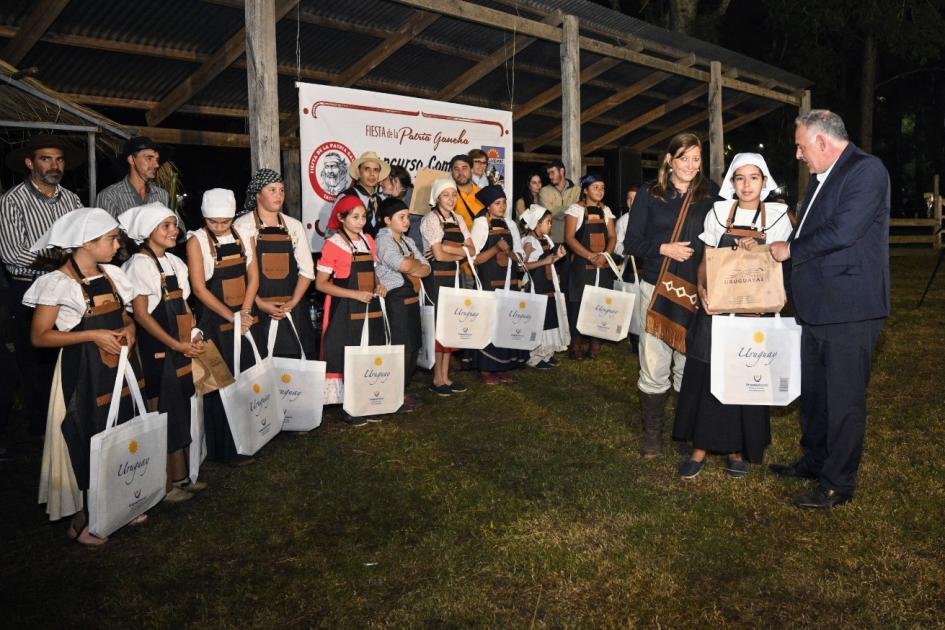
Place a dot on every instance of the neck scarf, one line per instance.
(676, 298)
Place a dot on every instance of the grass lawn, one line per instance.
(519, 506)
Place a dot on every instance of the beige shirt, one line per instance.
(557, 202)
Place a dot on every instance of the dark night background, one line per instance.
(829, 42)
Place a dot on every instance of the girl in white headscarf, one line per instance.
(169, 339)
(79, 310)
(224, 278)
(741, 432)
(541, 254)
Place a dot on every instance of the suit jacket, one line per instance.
(840, 261)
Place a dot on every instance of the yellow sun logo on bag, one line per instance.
(378, 361)
(467, 302)
(286, 378)
(256, 388)
(759, 337)
(133, 447)
(522, 305)
(609, 301)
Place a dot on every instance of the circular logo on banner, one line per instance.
(328, 169)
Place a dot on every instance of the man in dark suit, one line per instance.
(839, 253)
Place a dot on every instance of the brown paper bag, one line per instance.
(738, 281)
(422, 183)
(210, 371)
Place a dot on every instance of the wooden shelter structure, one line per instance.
(579, 78)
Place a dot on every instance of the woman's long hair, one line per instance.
(526, 191)
(679, 144)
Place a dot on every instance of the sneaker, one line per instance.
(411, 402)
(191, 487)
(553, 362)
(457, 388)
(351, 421)
(690, 468)
(736, 468)
(441, 390)
(374, 419)
(176, 495)
(490, 378)
(544, 365)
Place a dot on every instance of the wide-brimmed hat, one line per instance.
(369, 156)
(73, 155)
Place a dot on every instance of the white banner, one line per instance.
(339, 124)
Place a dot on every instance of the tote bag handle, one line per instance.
(237, 346)
(365, 329)
(274, 331)
(125, 373)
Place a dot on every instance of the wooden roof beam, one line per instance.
(493, 61)
(609, 102)
(219, 61)
(646, 118)
(391, 44)
(32, 29)
(688, 123)
(554, 92)
(463, 10)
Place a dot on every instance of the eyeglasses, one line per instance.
(480, 162)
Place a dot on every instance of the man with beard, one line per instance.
(138, 187)
(367, 172)
(26, 211)
(332, 176)
(467, 206)
(559, 195)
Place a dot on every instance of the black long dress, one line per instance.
(492, 275)
(227, 284)
(700, 418)
(88, 374)
(168, 374)
(593, 236)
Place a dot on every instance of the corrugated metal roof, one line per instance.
(333, 35)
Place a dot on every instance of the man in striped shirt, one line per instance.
(138, 187)
(26, 211)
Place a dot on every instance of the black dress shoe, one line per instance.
(795, 471)
(821, 498)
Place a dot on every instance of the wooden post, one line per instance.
(93, 175)
(716, 129)
(261, 77)
(803, 174)
(571, 98)
(292, 176)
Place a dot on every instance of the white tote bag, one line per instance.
(465, 318)
(605, 313)
(252, 401)
(755, 360)
(520, 316)
(301, 384)
(198, 437)
(426, 358)
(374, 375)
(561, 309)
(127, 468)
(636, 325)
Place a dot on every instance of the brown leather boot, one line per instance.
(576, 349)
(653, 406)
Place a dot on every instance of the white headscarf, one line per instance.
(140, 221)
(218, 203)
(439, 186)
(75, 228)
(740, 160)
(533, 215)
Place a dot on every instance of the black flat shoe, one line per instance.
(822, 498)
(793, 471)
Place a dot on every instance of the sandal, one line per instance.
(88, 539)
